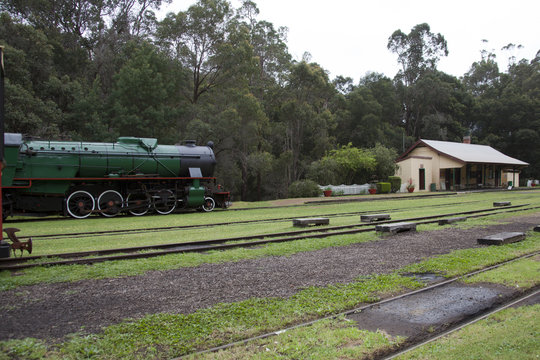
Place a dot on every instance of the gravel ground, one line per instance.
(51, 311)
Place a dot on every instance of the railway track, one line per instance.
(410, 345)
(90, 257)
(309, 203)
(180, 227)
(465, 324)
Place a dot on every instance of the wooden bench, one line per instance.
(374, 217)
(502, 203)
(451, 220)
(396, 227)
(502, 238)
(310, 221)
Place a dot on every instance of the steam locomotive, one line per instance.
(132, 175)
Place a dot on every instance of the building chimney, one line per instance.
(466, 139)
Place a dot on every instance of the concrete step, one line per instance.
(502, 238)
(374, 217)
(452, 220)
(310, 221)
(396, 227)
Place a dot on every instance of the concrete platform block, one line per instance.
(502, 238)
(396, 227)
(310, 221)
(452, 220)
(502, 203)
(374, 217)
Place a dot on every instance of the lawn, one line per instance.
(170, 335)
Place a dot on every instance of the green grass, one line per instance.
(137, 267)
(522, 274)
(463, 261)
(168, 335)
(328, 339)
(510, 334)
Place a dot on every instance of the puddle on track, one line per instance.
(425, 312)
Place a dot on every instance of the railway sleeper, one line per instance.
(502, 238)
(396, 227)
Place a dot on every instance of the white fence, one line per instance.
(347, 189)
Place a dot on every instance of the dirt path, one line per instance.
(52, 311)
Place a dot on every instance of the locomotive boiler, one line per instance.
(132, 175)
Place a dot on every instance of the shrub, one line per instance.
(383, 187)
(304, 188)
(395, 183)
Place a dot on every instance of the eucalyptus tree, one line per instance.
(506, 110)
(418, 53)
(269, 47)
(199, 39)
(29, 64)
(306, 117)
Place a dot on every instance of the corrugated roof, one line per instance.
(472, 153)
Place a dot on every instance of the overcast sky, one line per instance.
(349, 37)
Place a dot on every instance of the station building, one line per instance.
(442, 165)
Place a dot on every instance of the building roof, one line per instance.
(466, 153)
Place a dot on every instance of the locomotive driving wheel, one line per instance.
(164, 202)
(209, 204)
(138, 204)
(80, 204)
(110, 202)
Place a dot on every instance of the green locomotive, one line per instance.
(133, 175)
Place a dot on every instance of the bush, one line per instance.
(395, 183)
(383, 188)
(304, 188)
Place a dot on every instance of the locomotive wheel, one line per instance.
(110, 201)
(164, 202)
(139, 202)
(209, 204)
(80, 204)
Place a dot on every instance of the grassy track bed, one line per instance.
(175, 261)
(420, 207)
(168, 335)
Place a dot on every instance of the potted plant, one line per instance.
(372, 189)
(327, 191)
(410, 185)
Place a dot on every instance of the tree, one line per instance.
(306, 117)
(142, 101)
(385, 161)
(198, 39)
(418, 53)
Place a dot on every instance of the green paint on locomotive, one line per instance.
(68, 160)
(196, 194)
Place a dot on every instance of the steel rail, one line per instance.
(359, 309)
(220, 244)
(306, 204)
(179, 227)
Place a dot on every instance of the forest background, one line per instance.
(95, 70)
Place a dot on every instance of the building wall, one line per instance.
(510, 176)
(435, 166)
